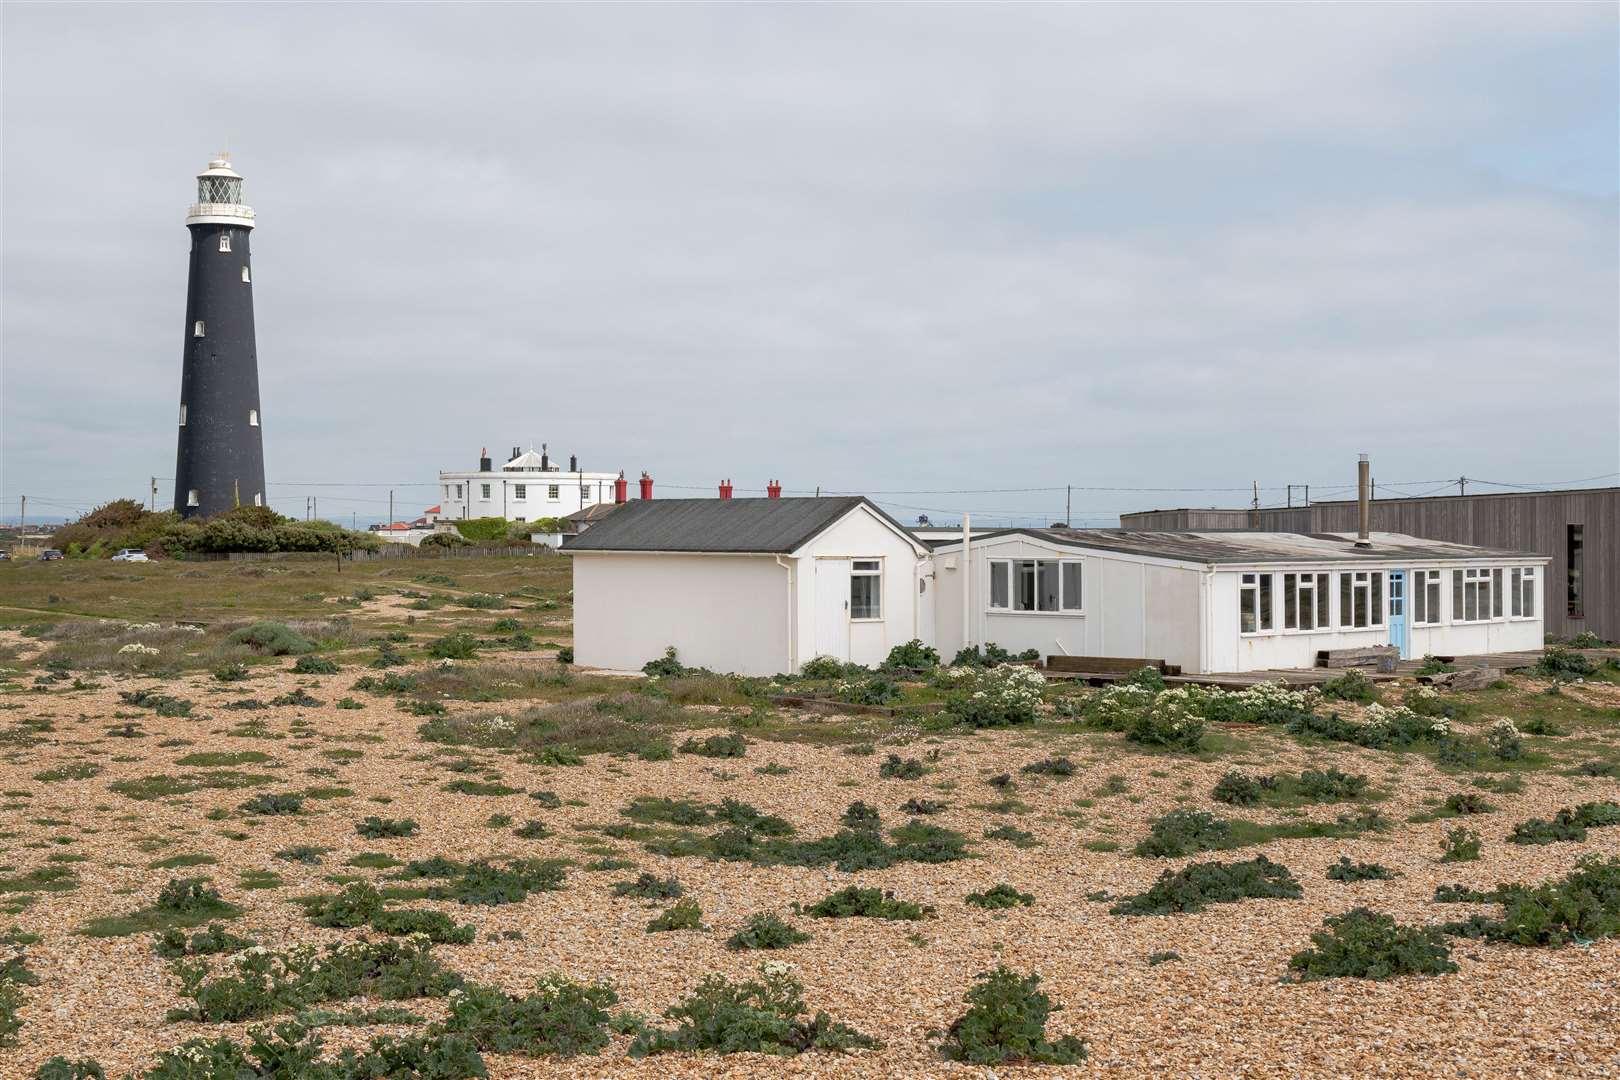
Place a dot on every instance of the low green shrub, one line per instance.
(561, 1019)
(273, 805)
(456, 646)
(682, 915)
(1197, 885)
(1331, 785)
(855, 902)
(272, 639)
(1056, 766)
(1240, 789)
(650, 887)
(760, 1015)
(1353, 685)
(356, 905)
(373, 827)
(173, 942)
(923, 806)
(231, 673)
(998, 897)
(1561, 663)
(1006, 1024)
(314, 665)
(912, 656)
(436, 926)
(717, 746)
(766, 931)
(898, 768)
(1184, 832)
(1466, 803)
(1364, 944)
(1460, 845)
(1347, 871)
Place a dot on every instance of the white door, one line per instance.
(832, 608)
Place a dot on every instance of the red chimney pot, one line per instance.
(621, 490)
(725, 489)
(773, 490)
(646, 486)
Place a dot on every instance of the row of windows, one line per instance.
(1478, 594)
(1050, 585)
(520, 492)
(191, 498)
(253, 416)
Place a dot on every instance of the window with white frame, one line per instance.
(1425, 597)
(225, 241)
(458, 491)
(554, 492)
(258, 498)
(520, 491)
(1471, 595)
(182, 414)
(1035, 585)
(197, 329)
(191, 497)
(1305, 601)
(253, 418)
(866, 589)
(1496, 592)
(1523, 603)
(1361, 598)
(483, 492)
(1254, 604)
(246, 274)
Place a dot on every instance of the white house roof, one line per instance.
(528, 461)
(1242, 546)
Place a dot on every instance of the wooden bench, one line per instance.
(1382, 658)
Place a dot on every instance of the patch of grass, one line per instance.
(216, 759)
(373, 827)
(650, 887)
(162, 786)
(480, 787)
(183, 902)
(270, 804)
(79, 770)
(1347, 871)
(1460, 845)
(998, 897)
(175, 862)
(855, 902)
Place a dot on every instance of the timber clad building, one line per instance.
(1579, 531)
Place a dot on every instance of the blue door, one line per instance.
(1397, 613)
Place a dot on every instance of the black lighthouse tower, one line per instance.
(220, 462)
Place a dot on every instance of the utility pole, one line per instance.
(1462, 485)
(22, 515)
(151, 503)
(1068, 506)
(316, 499)
(390, 508)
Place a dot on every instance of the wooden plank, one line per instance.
(1369, 658)
(1103, 664)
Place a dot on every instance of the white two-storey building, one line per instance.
(530, 486)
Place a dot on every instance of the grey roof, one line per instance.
(739, 526)
(1217, 546)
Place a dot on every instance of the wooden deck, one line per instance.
(1303, 677)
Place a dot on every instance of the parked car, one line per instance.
(130, 555)
(49, 555)
(4, 554)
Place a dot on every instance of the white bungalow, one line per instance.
(752, 586)
(1224, 601)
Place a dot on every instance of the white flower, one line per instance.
(137, 647)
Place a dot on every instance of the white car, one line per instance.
(131, 555)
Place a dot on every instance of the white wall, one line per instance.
(862, 534)
(575, 491)
(1132, 607)
(728, 613)
(1231, 650)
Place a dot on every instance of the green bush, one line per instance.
(1460, 845)
(438, 927)
(356, 905)
(999, 896)
(1184, 832)
(855, 902)
(565, 655)
(1363, 944)
(912, 656)
(923, 806)
(1582, 906)
(756, 1016)
(60, 1068)
(272, 639)
(1331, 785)
(650, 887)
(717, 746)
(668, 665)
(484, 530)
(1558, 663)
(457, 646)
(1058, 766)
(231, 673)
(681, 915)
(560, 1019)
(172, 942)
(1353, 685)
(765, 931)
(314, 665)
(1347, 871)
(820, 667)
(1197, 885)
(1466, 803)
(898, 768)
(1240, 789)
(1006, 1024)
(273, 805)
(373, 827)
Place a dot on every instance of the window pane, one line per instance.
(1529, 594)
(1470, 600)
(866, 566)
(1073, 598)
(1376, 608)
(1046, 582)
(1246, 609)
(998, 584)
(1456, 595)
(1360, 597)
(1496, 593)
(1023, 586)
(1323, 600)
(865, 592)
(1265, 602)
(1290, 600)
(1346, 605)
(1434, 597)
(1517, 579)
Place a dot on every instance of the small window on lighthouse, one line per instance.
(258, 498)
(245, 275)
(197, 330)
(224, 241)
(253, 418)
(191, 497)
(182, 414)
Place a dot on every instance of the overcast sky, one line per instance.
(934, 251)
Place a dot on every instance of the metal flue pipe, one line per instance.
(1363, 503)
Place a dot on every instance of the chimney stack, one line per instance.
(773, 490)
(516, 450)
(621, 490)
(545, 458)
(725, 489)
(1363, 503)
(484, 464)
(646, 486)
(573, 463)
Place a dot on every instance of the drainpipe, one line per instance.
(1363, 503)
(967, 578)
(792, 665)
